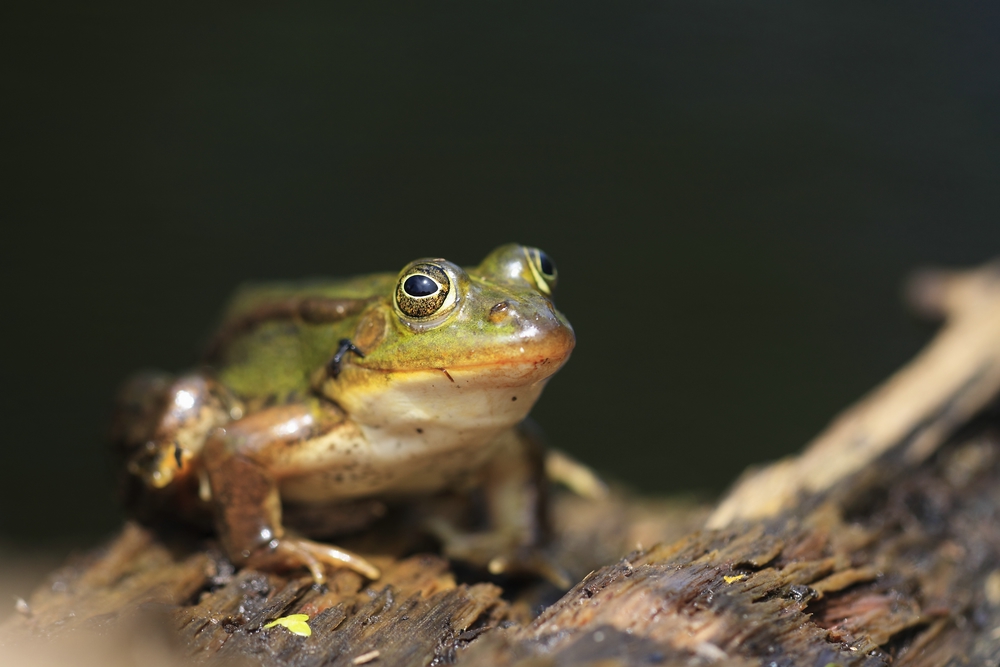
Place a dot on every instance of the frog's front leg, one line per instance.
(514, 487)
(247, 505)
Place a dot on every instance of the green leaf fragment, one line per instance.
(294, 623)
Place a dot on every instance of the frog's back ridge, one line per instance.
(251, 296)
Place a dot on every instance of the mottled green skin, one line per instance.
(276, 360)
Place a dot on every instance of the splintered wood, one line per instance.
(879, 544)
(917, 408)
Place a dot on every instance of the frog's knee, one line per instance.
(162, 422)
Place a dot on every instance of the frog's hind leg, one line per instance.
(515, 492)
(247, 507)
(161, 421)
(562, 468)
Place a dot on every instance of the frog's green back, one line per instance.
(277, 358)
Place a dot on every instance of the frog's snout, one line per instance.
(537, 327)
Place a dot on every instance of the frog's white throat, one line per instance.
(412, 432)
(444, 409)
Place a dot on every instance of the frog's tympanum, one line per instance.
(339, 393)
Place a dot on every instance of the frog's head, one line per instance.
(471, 348)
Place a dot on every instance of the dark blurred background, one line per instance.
(733, 192)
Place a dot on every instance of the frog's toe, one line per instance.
(531, 561)
(563, 469)
(314, 556)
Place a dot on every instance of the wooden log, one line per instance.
(879, 545)
(417, 613)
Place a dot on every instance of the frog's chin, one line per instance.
(413, 431)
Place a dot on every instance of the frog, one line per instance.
(354, 393)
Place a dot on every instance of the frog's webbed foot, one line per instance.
(497, 552)
(291, 552)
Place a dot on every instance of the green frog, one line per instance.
(352, 393)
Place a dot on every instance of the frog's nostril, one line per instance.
(499, 312)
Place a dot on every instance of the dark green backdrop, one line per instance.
(733, 192)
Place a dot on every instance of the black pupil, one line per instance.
(419, 286)
(548, 268)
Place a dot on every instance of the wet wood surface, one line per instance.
(879, 544)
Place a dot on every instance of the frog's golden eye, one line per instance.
(424, 291)
(543, 269)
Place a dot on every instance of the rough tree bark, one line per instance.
(879, 544)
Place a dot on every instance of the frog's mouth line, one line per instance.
(509, 369)
(552, 361)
